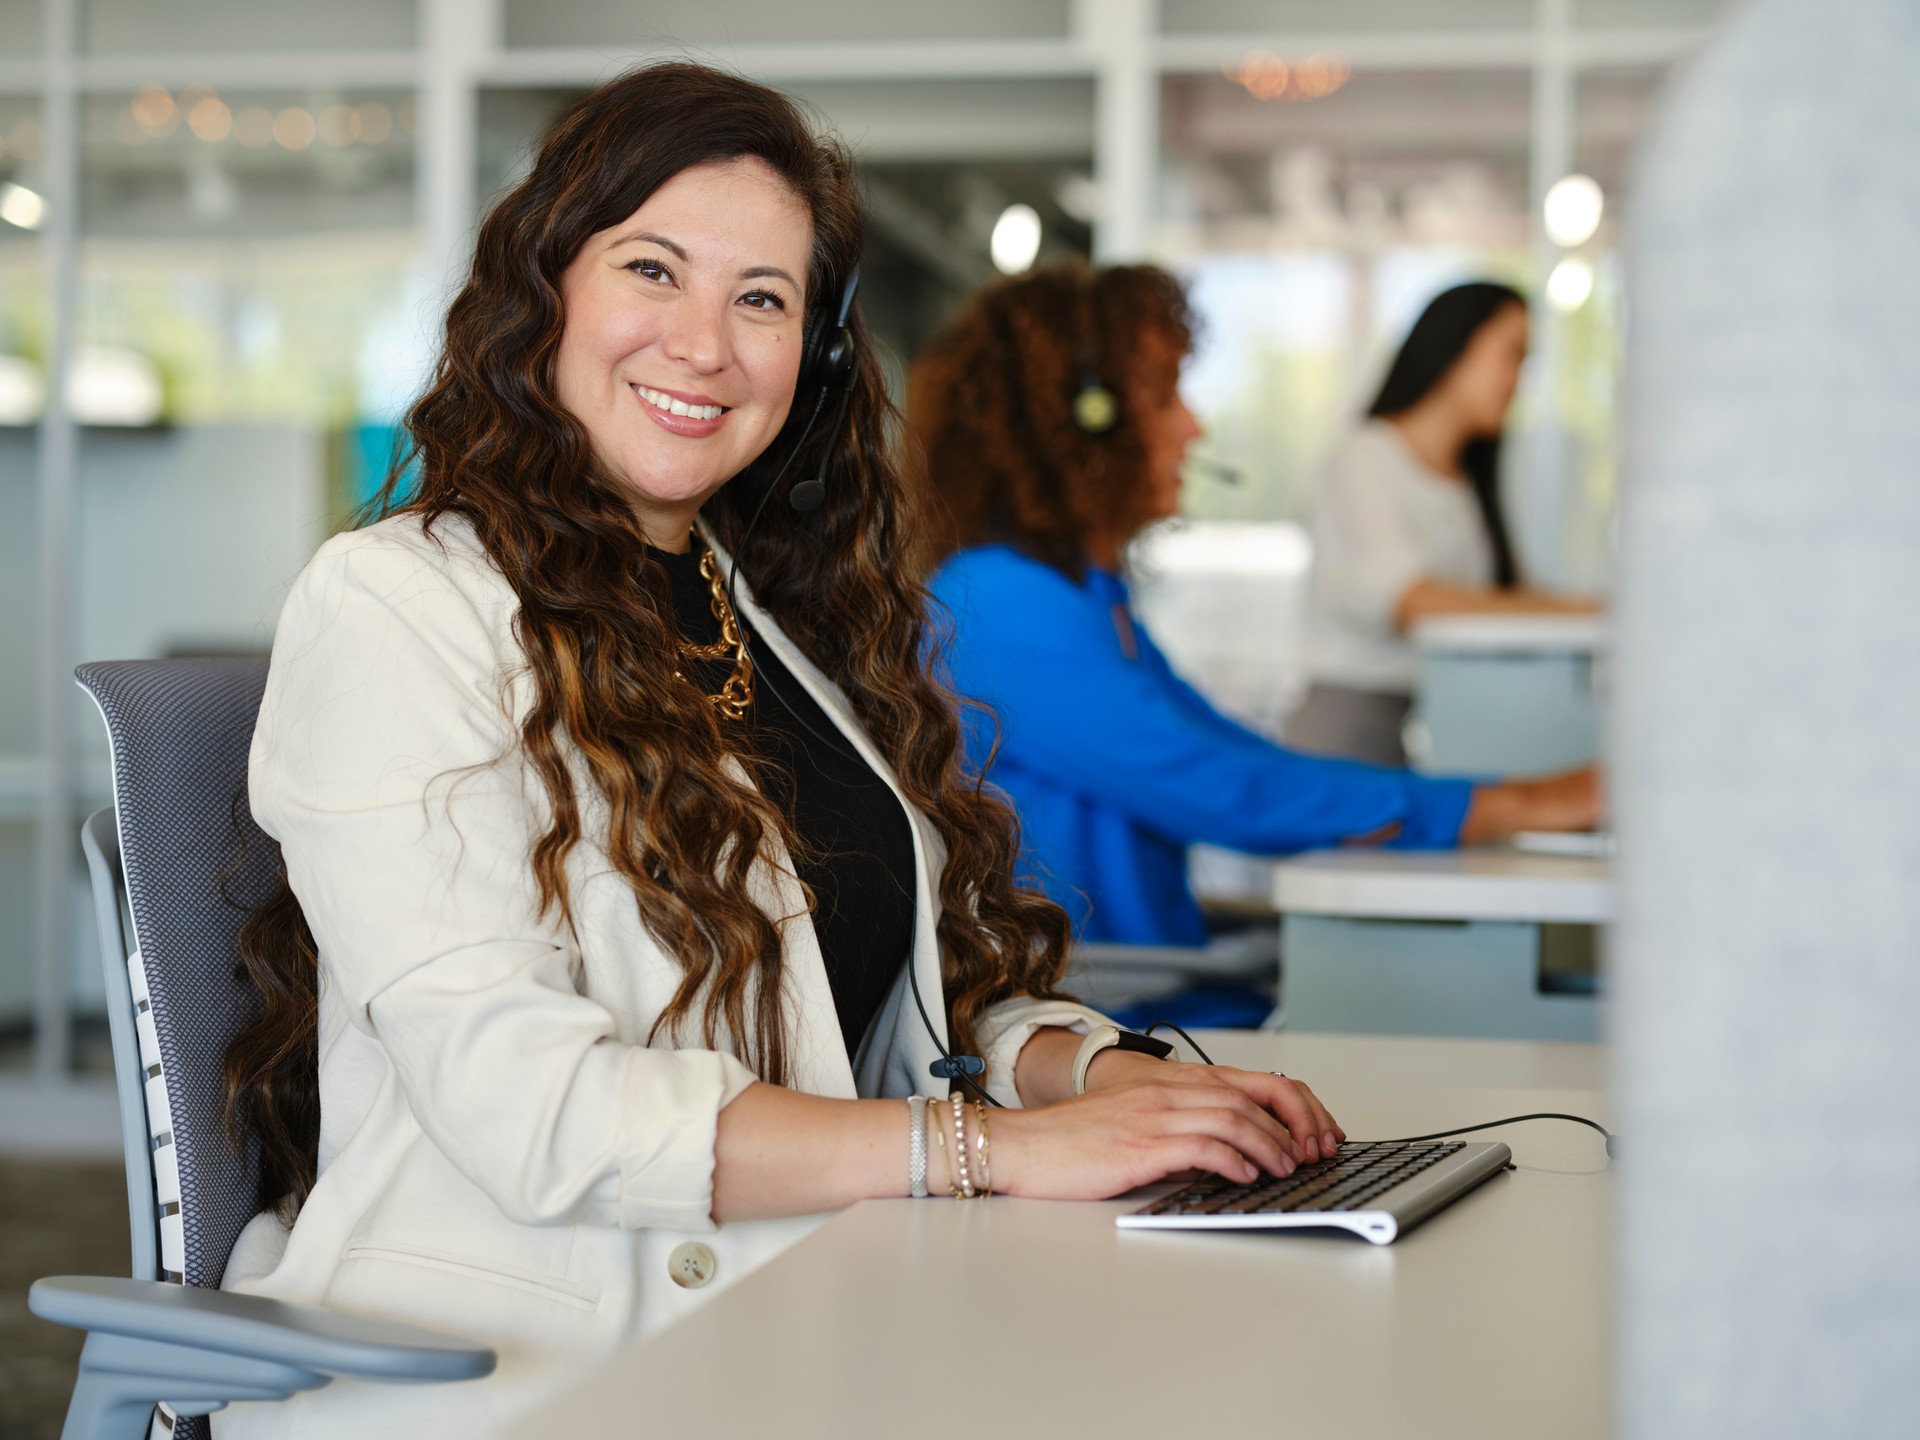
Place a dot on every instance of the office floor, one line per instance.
(57, 1217)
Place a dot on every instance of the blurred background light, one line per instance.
(110, 386)
(1570, 284)
(294, 128)
(1266, 76)
(155, 112)
(22, 207)
(1572, 210)
(210, 119)
(1016, 239)
(22, 396)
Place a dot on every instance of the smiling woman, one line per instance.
(689, 338)
(614, 886)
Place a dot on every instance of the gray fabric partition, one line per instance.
(1768, 740)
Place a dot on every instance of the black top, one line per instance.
(856, 847)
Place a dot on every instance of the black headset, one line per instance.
(827, 364)
(1095, 407)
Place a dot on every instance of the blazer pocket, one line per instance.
(552, 1287)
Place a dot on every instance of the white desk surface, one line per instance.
(1491, 1320)
(1491, 883)
(1512, 634)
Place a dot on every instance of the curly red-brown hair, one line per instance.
(993, 440)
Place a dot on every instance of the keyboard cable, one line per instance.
(1611, 1139)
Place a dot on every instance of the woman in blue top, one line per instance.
(1048, 428)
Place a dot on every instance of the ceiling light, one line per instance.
(1570, 284)
(1016, 239)
(22, 207)
(1572, 210)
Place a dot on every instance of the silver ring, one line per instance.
(1280, 1073)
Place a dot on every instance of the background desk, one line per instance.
(1027, 1318)
(1447, 943)
(1507, 694)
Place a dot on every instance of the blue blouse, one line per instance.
(1116, 765)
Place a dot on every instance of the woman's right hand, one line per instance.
(1110, 1140)
(1568, 801)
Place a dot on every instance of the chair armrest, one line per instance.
(310, 1337)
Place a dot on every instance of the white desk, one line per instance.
(1447, 943)
(1508, 694)
(1491, 1320)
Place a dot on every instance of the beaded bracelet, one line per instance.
(961, 1182)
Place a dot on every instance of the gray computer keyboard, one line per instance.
(1377, 1190)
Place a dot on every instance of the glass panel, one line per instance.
(246, 338)
(23, 335)
(230, 27)
(1612, 109)
(1647, 14)
(764, 22)
(1311, 232)
(23, 22)
(1336, 17)
(18, 937)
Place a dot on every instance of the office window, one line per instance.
(1646, 14)
(1337, 17)
(243, 27)
(1311, 230)
(770, 22)
(244, 302)
(23, 335)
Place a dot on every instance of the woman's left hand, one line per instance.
(1316, 1135)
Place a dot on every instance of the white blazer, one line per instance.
(502, 1153)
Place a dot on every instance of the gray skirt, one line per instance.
(1350, 724)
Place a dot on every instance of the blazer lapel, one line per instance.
(929, 851)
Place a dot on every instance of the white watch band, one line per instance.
(1101, 1037)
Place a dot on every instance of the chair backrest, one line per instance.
(180, 731)
(129, 1022)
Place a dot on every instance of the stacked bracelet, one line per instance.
(961, 1181)
(983, 1149)
(917, 1146)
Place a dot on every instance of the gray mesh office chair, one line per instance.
(184, 842)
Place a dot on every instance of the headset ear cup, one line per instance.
(1095, 409)
(836, 366)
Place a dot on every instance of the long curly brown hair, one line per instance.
(993, 441)
(495, 448)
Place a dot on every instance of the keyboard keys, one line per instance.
(1351, 1180)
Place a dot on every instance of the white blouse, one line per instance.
(1383, 522)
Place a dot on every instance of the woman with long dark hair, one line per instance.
(1049, 431)
(629, 896)
(1409, 522)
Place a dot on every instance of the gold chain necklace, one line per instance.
(737, 694)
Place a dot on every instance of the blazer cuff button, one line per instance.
(691, 1265)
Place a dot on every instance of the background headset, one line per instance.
(1095, 406)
